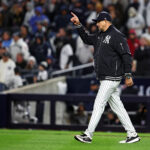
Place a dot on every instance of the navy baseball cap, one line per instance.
(103, 16)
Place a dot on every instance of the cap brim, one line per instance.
(94, 20)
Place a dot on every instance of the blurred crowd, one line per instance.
(37, 37)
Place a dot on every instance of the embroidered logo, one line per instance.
(107, 39)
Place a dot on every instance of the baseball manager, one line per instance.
(112, 61)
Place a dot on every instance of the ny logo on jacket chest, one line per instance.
(107, 39)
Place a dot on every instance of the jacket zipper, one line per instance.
(100, 43)
(121, 46)
(98, 53)
(116, 68)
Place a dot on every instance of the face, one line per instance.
(39, 26)
(41, 68)
(23, 30)
(16, 38)
(5, 58)
(143, 42)
(101, 25)
(2, 50)
(110, 116)
(38, 40)
(31, 63)
(61, 33)
(132, 36)
(6, 36)
(49, 61)
(19, 58)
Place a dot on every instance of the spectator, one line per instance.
(90, 12)
(20, 62)
(137, 4)
(31, 64)
(141, 114)
(111, 118)
(148, 14)
(42, 74)
(6, 39)
(18, 46)
(93, 90)
(40, 49)
(24, 33)
(93, 87)
(50, 63)
(1, 41)
(39, 16)
(29, 14)
(81, 117)
(84, 52)
(17, 15)
(117, 16)
(7, 66)
(141, 63)
(58, 43)
(5, 16)
(93, 14)
(62, 20)
(40, 28)
(65, 54)
(135, 21)
(16, 80)
(2, 51)
(133, 41)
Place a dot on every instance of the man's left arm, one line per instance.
(122, 49)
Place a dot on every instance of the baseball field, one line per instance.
(63, 140)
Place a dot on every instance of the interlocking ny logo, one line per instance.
(107, 39)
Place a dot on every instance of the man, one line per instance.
(112, 60)
(133, 41)
(18, 45)
(6, 69)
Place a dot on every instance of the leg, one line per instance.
(117, 106)
(104, 93)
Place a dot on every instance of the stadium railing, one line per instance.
(72, 70)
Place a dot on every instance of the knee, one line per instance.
(99, 106)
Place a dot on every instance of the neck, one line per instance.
(107, 26)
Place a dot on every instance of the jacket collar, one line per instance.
(109, 29)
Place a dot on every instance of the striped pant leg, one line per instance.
(118, 108)
(105, 90)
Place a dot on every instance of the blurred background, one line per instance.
(47, 78)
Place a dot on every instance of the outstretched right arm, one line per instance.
(84, 34)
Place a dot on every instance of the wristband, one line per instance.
(128, 75)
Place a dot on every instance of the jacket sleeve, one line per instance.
(86, 36)
(123, 50)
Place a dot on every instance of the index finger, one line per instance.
(73, 14)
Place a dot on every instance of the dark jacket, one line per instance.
(112, 57)
(142, 55)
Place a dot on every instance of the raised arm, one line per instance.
(84, 34)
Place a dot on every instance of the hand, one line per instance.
(75, 19)
(129, 82)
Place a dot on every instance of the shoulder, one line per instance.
(117, 34)
(67, 47)
(11, 62)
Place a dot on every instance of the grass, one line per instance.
(63, 140)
